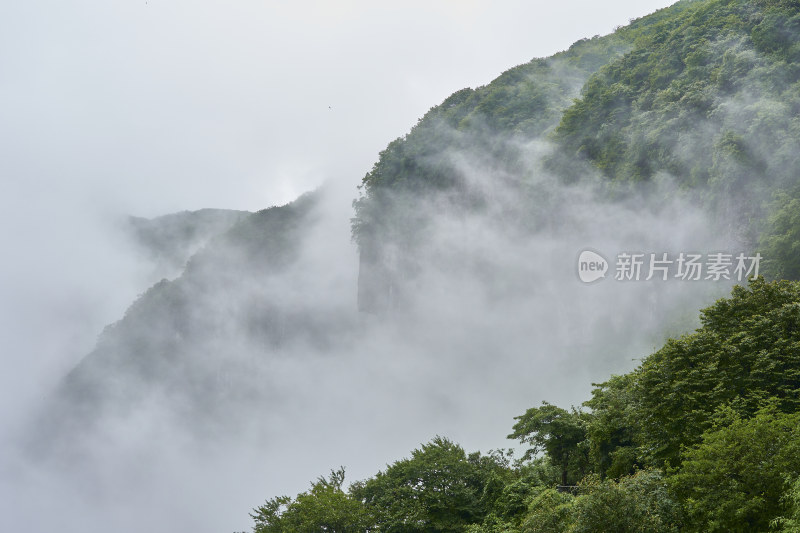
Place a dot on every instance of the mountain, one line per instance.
(696, 102)
(190, 341)
(458, 301)
(170, 240)
(703, 95)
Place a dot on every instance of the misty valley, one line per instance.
(349, 352)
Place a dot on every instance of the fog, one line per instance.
(494, 321)
(156, 107)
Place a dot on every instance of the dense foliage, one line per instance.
(703, 436)
(704, 94)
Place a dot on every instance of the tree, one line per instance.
(439, 489)
(790, 522)
(633, 504)
(324, 508)
(747, 350)
(559, 433)
(734, 479)
(613, 427)
(550, 511)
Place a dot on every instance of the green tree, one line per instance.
(747, 350)
(439, 489)
(324, 508)
(634, 504)
(561, 434)
(734, 479)
(492, 524)
(550, 511)
(790, 521)
(613, 427)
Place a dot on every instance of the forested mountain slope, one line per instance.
(190, 341)
(677, 132)
(704, 95)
